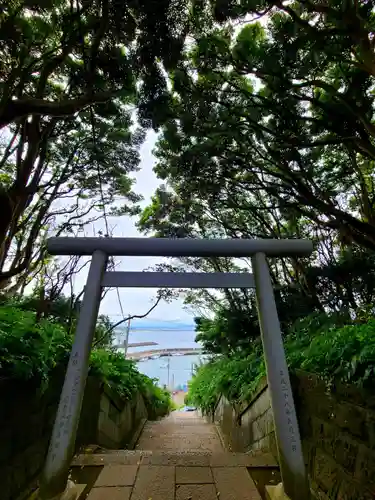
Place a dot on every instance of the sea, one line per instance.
(173, 372)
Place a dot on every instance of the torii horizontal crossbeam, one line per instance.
(179, 247)
(177, 280)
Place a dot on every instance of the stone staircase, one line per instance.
(180, 431)
(180, 457)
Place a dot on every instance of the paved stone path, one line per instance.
(180, 431)
(178, 458)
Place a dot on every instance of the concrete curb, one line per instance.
(134, 440)
(224, 442)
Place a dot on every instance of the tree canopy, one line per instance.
(271, 134)
(73, 77)
(265, 109)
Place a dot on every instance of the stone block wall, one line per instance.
(26, 420)
(250, 426)
(27, 417)
(117, 420)
(256, 422)
(337, 426)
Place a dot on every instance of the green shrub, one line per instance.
(158, 400)
(113, 368)
(235, 376)
(123, 375)
(31, 351)
(345, 353)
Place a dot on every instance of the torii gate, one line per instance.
(61, 448)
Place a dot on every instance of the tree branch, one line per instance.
(134, 316)
(20, 108)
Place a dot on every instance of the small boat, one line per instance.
(155, 356)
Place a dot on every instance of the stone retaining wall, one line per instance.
(337, 426)
(106, 419)
(27, 417)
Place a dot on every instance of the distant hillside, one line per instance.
(158, 325)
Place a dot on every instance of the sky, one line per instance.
(137, 300)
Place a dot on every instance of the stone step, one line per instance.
(177, 432)
(180, 443)
(177, 458)
(186, 458)
(144, 475)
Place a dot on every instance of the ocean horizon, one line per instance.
(166, 334)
